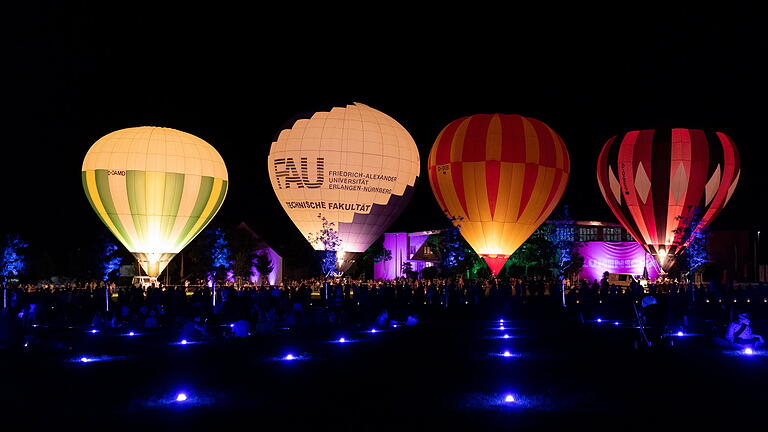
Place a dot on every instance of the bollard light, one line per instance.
(183, 341)
(289, 357)
(181, 397)
(748, 351)
(506, 336)
(509, 398)
(507, 354)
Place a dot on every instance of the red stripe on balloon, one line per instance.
(566, 157)
(443, 155)
(512, 139)
(475, 140)
(436, 188)
(457, 174)
(546, 143)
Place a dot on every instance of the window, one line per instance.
(565, 233)
(612, 234)
(587, 234)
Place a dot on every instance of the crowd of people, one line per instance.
(202, 310)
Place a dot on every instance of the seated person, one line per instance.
(740, 333)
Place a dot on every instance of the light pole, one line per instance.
(757, 257)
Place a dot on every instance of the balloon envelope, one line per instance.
(353, 165)
(155, 189)
(498, 176)
(663, 185)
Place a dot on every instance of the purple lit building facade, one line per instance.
(604, 246)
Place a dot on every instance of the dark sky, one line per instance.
(235, 77)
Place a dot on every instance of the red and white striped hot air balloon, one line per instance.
(499, 177)
(660, 182)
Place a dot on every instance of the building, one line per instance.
(605, 247)
(276, 276)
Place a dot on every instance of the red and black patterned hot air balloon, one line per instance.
(500, 176)
(659, 183)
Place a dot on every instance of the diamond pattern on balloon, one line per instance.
(712, 186)
(679, 183)
(642, 183)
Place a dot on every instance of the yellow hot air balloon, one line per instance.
(500, 176)
(353, 165)
(155, 189)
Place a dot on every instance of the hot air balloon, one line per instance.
(354, 166)
(498, 176)
(155, 189)
(664, 185)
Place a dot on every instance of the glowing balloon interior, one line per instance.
(498, 177)
(665, 185)
(155, 189)
(354, 165)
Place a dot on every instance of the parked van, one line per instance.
(144, 281)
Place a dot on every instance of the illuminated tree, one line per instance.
(109, 260)
(216, 255)
(695, 256)
(13, 261)
(329, 238)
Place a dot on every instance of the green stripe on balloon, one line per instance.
(135, 182)
(206, 186)
(102, 186)
(208, 217)
(174, 186)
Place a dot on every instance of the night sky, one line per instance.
(236, 77)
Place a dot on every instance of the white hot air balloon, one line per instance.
(353, 165)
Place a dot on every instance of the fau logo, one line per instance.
(287, 174)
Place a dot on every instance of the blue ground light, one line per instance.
(505, 354)
(85, 359)
(502, 402)
(746, 352)
(343, 340)
(186, 342)
(290, 357)
(181, 399)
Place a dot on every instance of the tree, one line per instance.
(536, 253)
(242, 245)
(110, 261)
(13, 261)
(407, 269)
(263, 265)
(216, 254)
(695, 256)
(567, 261)
(453, 253)
(377, 253)
(328, 237)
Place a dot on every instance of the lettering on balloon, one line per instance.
(356, 207)
(287, 174)
(624, 179)
(116, 172)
